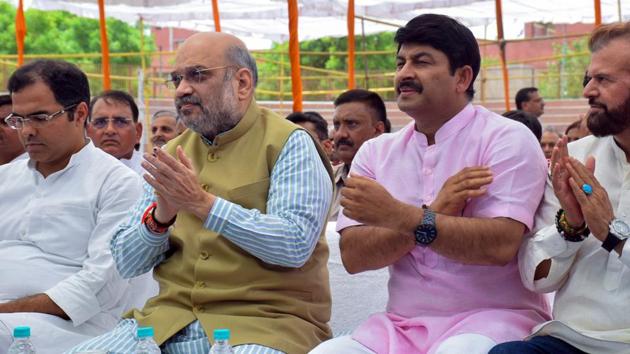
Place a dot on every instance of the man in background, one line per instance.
(164, 127)
(528, 100)
(315, 124)
(360, 115)
(10, 145)
(548, 141)
(114, 127)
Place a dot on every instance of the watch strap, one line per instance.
(611, 242)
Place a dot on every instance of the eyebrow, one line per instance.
(416, 56)
(30, 114)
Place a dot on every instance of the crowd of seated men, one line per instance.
(222, 222)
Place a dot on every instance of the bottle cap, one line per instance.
(144, 332)
(221, 334)
(22, 332)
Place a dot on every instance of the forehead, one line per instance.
(199, 53)
(164, 120)
(354, 110)
(32, 98)
(613, 58)
(534, 95)
(410, 50)
(108, 107)
(549, 136)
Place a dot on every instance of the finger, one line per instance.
(183, 158)
(157, 186)
(159, 168)
(168, 160)
(579, 194)
(561, 151)
(582, 171)
(573, 173)
(471, 193)
(473, 184)
(471, 172)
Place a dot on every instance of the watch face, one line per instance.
(425, 234)
(620, 228)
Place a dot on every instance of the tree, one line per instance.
(563, 77)
(275, 67)
(60, 32)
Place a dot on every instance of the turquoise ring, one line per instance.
(587, 189)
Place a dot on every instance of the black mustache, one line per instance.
(412, 85)
(188, 99)
(345, 142)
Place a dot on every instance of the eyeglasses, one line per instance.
(16, 121)
(193, 75)
(119, 122)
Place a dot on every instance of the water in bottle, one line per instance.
(22, 341)
(146, 344)
(221, 342)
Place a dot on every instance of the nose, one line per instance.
(404, 72)
(27, 130)
(110, 129)
(590, 90)
(183, 89)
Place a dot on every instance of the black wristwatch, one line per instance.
(426, 232)
(618, 232)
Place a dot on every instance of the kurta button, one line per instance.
(201, 284)
(204, 255)
(205, 187)
(213, 156)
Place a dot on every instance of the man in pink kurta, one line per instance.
(461, 291)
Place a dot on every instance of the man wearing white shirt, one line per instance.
(114, 127)
(58, 210)
(585, 257)
(10, 146)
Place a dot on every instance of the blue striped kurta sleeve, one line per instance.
(299, 197)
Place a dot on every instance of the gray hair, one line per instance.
(243, 59)
(163, 113)
(552, 129)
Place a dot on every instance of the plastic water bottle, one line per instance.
(146, 344)
(21, 341)
(221, 342)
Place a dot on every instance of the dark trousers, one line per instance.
(536, 345)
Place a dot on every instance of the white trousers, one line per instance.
(469, 343)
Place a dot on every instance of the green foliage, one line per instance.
(60, 32)
(563, 77)
(275, 64)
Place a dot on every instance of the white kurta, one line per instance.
(54, 239)
(134, 162)
(593, 286)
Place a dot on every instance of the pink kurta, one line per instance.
(432, 297)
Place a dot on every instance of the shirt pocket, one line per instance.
(64, 230)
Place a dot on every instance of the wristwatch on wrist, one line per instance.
(618, 232)
(426, 232)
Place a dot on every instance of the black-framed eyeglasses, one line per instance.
(17, 121)
(194, 75)
(119, 122)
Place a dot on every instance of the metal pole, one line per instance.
(506, 79)
(107, 84)
(294, 56)
(365, 58)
